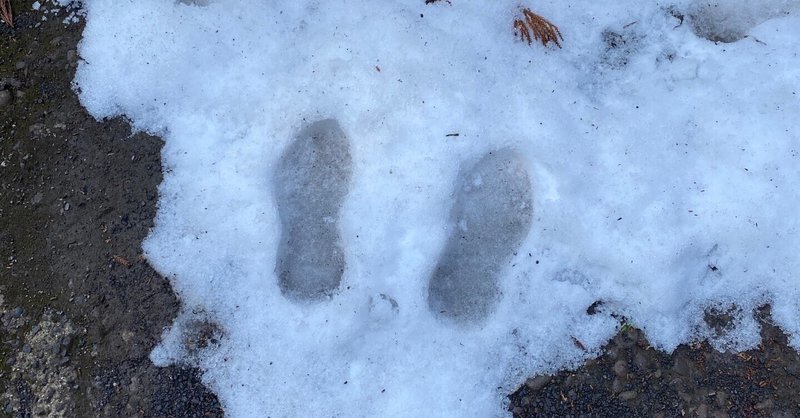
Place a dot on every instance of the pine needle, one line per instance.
(5, 12)
(534, 27)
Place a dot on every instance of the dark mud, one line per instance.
(631, 379)
(80, 309)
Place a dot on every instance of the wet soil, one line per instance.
(80, 309)
(631, 379)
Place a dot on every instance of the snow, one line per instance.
(662, 166)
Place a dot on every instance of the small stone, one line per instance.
(702, 411)
(722, 399)
(628, 395)
(641, 361)
(621, 368)
(617, 385)
(20, 65)
(17, 312)
(681, 366)
(614, 352)
(768, 404)
(66, 206)
(36, 129)
(26, 348)
(5, 97)
(538, 382)
(37, 198)
(72, 55)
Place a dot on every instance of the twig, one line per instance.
(5, 12)
(532, 26)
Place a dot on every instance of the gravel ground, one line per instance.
(80, 309)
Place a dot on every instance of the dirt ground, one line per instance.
(80, 309)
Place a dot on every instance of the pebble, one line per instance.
(538, 382)
(768, 404)
(621, 368)
(5, 97)
(36, 129)
(20, 65)
(617, 385)
(641, 361)
(628, 395)
(686, 397)
(681, 366)
(722, 399)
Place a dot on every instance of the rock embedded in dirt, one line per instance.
(5, 98)
(621, 368)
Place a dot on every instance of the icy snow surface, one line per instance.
(643, 165)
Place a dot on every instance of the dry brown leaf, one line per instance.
(532, 27)
(5, 12)
(122, 261)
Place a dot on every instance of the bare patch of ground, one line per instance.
(631, 379)
(81, 309)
